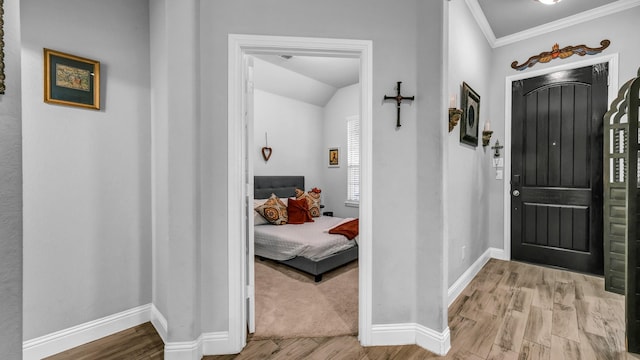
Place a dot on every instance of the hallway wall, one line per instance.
(11, 233)
(87, 233)
(470, 172)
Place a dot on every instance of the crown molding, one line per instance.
(584, 16)
(478, 14)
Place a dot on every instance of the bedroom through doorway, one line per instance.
(303, 132)
(240, 180)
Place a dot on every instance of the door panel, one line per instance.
(556, 184)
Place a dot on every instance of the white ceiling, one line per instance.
(281, 81)
(335, 72)
(526, 14)
(507, 21)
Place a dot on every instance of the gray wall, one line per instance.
(294, 131)
(345, 102)
(621, 28)
(11, 190)
(397, 187)
(87, 230)
(176, 174)
(430, 238)
(469, 168)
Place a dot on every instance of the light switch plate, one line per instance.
(499, 174)
(498, 162)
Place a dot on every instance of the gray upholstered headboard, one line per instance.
(282, 186)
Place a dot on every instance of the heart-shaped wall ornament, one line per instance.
(266, 153)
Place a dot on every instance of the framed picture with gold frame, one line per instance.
(333, 158)
(71, 80)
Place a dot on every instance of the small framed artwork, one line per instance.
(71, 80)
(334, 157)
(470, 116)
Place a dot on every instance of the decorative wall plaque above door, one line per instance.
(563, 53)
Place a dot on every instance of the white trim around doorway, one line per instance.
(239, 47)
(611, 59)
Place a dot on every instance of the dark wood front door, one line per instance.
(556, 177)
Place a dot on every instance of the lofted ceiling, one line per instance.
(333, 71)
(310, 79)
(507, 21)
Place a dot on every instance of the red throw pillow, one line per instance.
(298, 212)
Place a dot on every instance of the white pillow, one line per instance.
(259, 219)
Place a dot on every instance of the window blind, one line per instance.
(353, 158)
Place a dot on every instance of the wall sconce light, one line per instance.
(486, 133)
(454, 113)
(497, 148)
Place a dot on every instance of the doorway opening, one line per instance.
(241, 48)
(305, 280)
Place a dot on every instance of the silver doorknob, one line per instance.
(516, 193)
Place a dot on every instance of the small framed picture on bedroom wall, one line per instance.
(333, 158)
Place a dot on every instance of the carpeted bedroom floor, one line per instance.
(289, 304)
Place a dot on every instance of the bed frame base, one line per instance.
(318, 268)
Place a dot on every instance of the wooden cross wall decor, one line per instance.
(398, 98)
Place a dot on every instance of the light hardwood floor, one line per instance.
(509, 311)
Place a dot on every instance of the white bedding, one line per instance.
(310, 240)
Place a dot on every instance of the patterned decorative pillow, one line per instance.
(313, 201)
(259, 219)
(274, 210)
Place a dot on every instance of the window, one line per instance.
(353, 161)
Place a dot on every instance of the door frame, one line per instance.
(239, 47)
(611, 59)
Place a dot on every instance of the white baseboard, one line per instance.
(184, 350)
(393, 334)
(159, 322)
(217, 343)
(409, 334)
(456, 289)
(499, 254)
(66, 339)
(438, 343)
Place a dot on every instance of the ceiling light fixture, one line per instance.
(548, 2)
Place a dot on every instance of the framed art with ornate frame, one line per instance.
(71, 80)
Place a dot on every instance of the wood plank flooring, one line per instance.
(140, 342)
(540, 313)
(510, 311)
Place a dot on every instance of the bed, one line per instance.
(307, 247)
